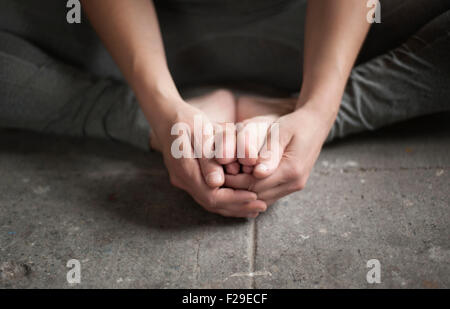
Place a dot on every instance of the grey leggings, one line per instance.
(58, 78)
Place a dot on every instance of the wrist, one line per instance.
(325, 87)
(152, 81)
(160, 87)
(322, 109)
(323, 97)
(157, 95)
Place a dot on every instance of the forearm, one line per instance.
(335, 31)
(130, 31)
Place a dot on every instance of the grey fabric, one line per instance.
(40, 94)
(43, 23)
(409, 81)
(56, 77)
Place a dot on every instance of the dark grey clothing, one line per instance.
(57, 77)
(406, 82)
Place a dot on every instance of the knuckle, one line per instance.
(174, 181)
(299, 185)
(295, 171)
(270, 202)
(251, 187)
(211, 201)
(214, 211)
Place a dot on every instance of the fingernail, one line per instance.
(214, 178)
(262, 168)
(253, 215)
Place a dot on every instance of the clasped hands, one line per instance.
(255, 167)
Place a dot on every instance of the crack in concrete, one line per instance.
(252, 251)
(252, 274)
(197, 264)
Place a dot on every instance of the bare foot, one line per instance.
(249, 107)
(256, 115)
(220, 107)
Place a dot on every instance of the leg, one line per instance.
(44, 24)
(410, 81)
(400, 19)
(38, 93)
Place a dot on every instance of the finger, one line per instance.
(186, 174)
(229, 214)
(225, 197)
(212, 171)
(278, 192)
(232, 168)
(281, 176)
(270, 154)
(225, 143)
(270, 202)
(222, 212)
(257, 206)
(253, 215)
(285, 181)
(247, 169)
(193, 183)
(246, 144)
(250, 138)
(245, 210)
(240, 181)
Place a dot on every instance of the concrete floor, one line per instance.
(381, 195)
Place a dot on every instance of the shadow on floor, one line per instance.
(134, 185)
(87, 173)
(419, 128)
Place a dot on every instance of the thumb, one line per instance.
(271, 153)
(212, 171)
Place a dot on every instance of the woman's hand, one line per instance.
(189, 124)
(200, 177)
(284, 163)
(334, 33)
